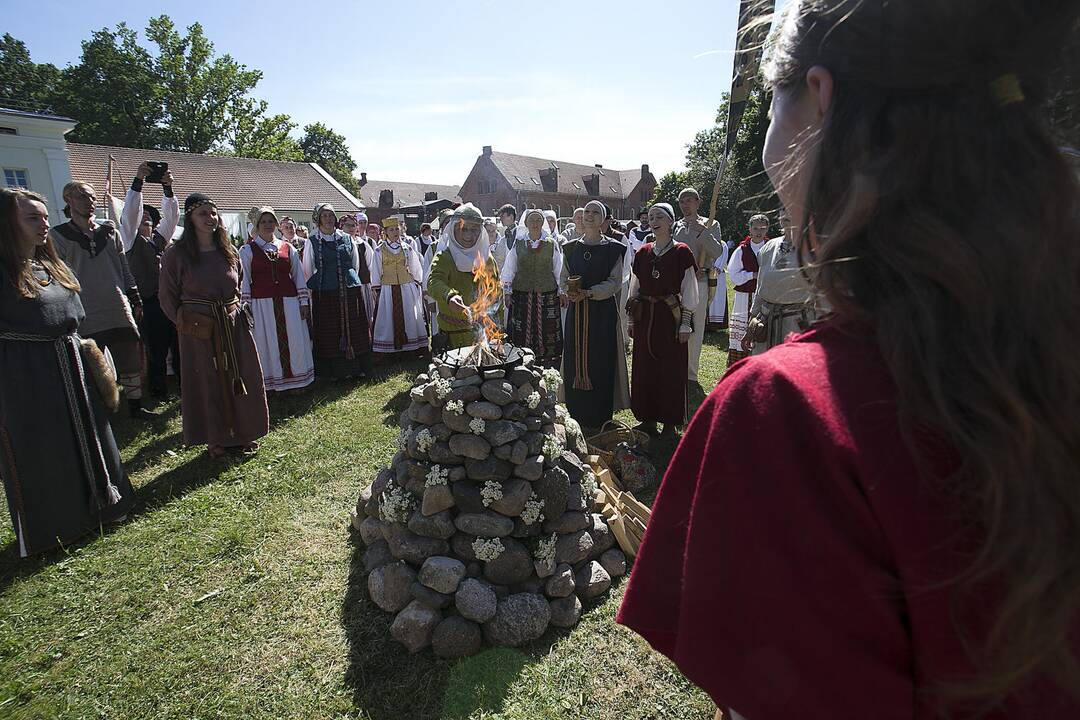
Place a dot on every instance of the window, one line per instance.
(613, 190)
(16, 178)
(535, 181)
(517, 179)
(576, 186)
(486, 187)
(8, 131)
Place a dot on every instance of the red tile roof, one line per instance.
(233, 183)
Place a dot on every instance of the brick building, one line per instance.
(498, 178)
(384, 198)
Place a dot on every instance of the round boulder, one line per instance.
(475, 600)
(414, 625)
(518, 619)
(442, 574)
(514, 565)
(389, 586)
(565, 612)
(456, 637)
(592, 580)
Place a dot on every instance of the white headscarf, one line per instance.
(522, 232)
(465, 259)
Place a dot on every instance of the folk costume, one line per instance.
(273, 284)
(743, 269)
(531, 277)
(58, 459)
(452, 276)
(397, 276)
(594, 362)
(109, 294)
(337, 269)
(223, 402)
(784, 304)
(717, 318)
(707, 247)
(143, 256)
(663, 294)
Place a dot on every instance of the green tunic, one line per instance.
(444, 283)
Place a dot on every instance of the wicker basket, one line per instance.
(611, 434)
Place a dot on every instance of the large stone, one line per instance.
(565, 612)
(389, 586)
(573, 467)
(484, 410)
(486, 524)
(503, 452)
(500, 432)
(475, 600)
(414, 549)
(440, 525)
(415, 487)
(573, 548)
(456, 637)
(470, 446)
(417, 393)
(444, 371)
(575, 500)
(553, 489)
(466, 394)
(378, 486)
(591, 581)
(417, 470)
(561, 583)
(544, 568)
(515, 411)
(457, 423)
(441, 432)
(603, 538)
(534, 440)
(521, 530)
(365, 497)
(432, 598)
(424, 413)
(519, 452)
(518, 619)
(377, 555)
(531, 468)
(531, 584)
(524, 391)
(499, 392)
(467, 496)
(516, 493)
(533, 424)
(519, 376)
(461, 544)
(472, 380)
(490, 468)
(440, 453)
(371, 530)
(614, 561)
(414, 625)
(442, 574)
(514, 564)
(568, 522)
(465, 371)
(457, 473)
(437, 498)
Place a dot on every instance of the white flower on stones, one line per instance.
(477, 425)
(442, 387)
(396, 504)
(533, 511)
(456, 406)
(533, 400)
(403, 439)
(588, 487)
(552, 447)
(545, 549)
(572, 426)
(437, 475)
(491, 492)
(486, 549)
(551, 379)
(424, 440)
(562, 413)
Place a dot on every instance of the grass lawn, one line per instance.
(235, 590)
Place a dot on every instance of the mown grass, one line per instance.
(235, 590)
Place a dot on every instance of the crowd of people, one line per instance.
(287, 306)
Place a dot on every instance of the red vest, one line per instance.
(271, 278)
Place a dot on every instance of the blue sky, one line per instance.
(419, 87)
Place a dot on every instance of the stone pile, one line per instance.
(482, 529)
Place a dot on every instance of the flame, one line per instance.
(488, 296)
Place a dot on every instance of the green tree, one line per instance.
(254, 135)
(327, 148)
(744, 187)
(112, 91)
(197, 89)
(25, 85)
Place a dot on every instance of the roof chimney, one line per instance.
(599, 166)
(363, 179)
(487, 151)
(645, 169)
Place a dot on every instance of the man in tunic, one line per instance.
(110, 295)
(703, 239)
(397, 275)
(452, 283)
(743, 269)
(143, 247)
(337, 269)
(508, 218)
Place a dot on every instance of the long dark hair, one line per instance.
(11, 259)
(189, 245)
(946, 216)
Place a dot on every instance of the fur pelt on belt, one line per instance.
(103, 373)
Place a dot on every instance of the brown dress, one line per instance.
(223, 400)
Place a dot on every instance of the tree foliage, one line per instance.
(22, 82)
(322, 145)
(744, 187)
(254, 135)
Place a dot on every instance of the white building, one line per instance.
(33, 155)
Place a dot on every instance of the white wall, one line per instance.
(39, 149)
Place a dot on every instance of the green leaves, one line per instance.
(322, 145)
